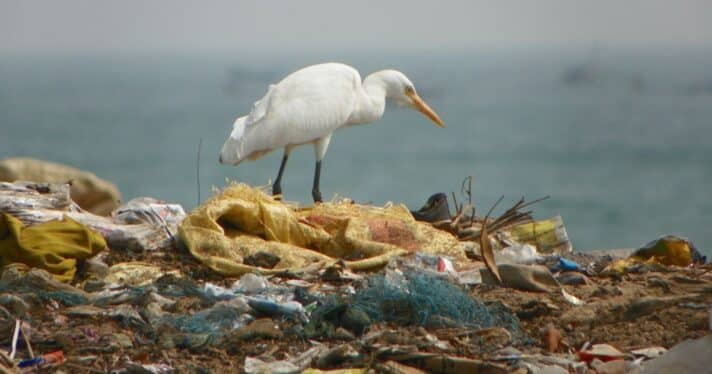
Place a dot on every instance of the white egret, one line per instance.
(308, 105)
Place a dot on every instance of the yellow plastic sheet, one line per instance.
(54, 246)
(667, 250)
(242, 221)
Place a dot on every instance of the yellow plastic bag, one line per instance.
(242, 221)
(667, 250)
(54, 246)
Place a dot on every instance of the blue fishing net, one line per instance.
(216, 320)
(68, 298)
(415, 297)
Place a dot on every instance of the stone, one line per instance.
(573, 278)
(262, 259)
(355, 320)
(690, 356)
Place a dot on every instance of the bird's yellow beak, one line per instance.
(425, 109)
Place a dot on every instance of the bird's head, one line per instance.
(402, 91)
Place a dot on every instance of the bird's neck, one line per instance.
(371, 101)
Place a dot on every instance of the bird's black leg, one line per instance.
(277, 186)
(316, 194)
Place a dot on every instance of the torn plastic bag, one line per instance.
(242, 221)
(152, 211)
(668, 250)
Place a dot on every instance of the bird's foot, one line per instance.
(316, 194)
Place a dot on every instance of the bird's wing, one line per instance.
(259, 108)
(305, 106)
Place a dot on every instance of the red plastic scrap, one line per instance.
(603, 352)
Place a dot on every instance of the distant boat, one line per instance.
(582, 74)
(700, 88)
(589, 74)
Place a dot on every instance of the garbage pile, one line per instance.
(87, 190)
(246, 283)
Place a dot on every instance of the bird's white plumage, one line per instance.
(304, 107)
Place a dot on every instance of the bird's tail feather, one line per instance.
(232, 150)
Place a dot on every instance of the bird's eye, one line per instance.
(409, 90)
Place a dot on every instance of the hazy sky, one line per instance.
(81, 26)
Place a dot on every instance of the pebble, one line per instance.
(573, 278)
